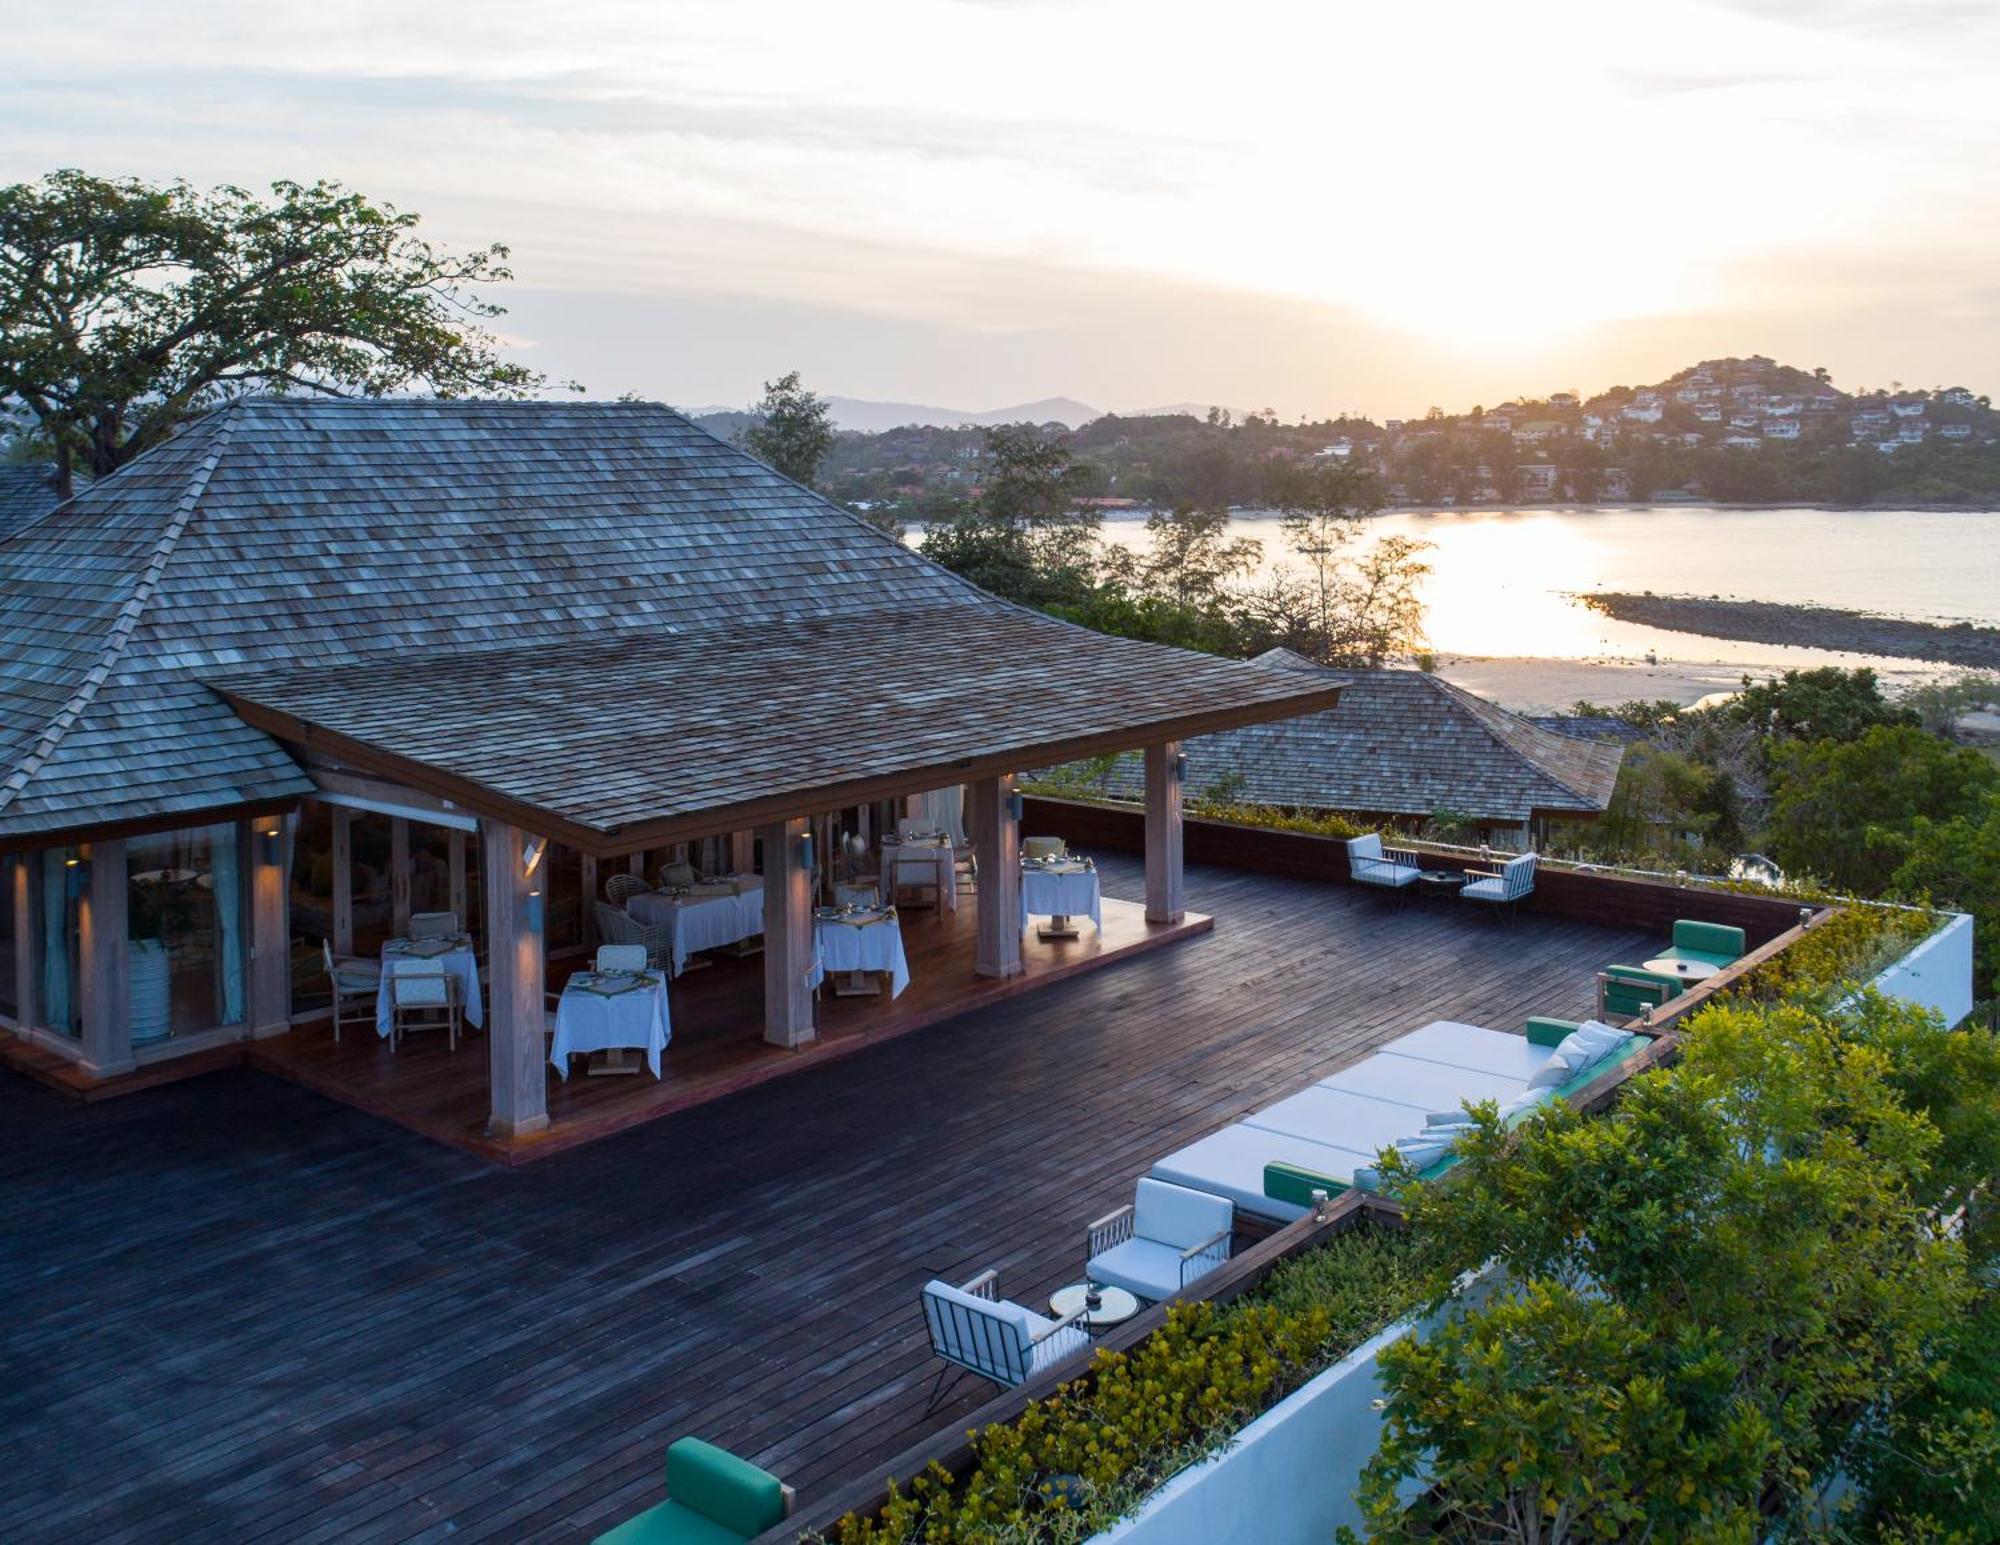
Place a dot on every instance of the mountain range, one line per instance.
(866, 417)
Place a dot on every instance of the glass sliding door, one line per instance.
(186, 929)
(59, 891)
(311, 905)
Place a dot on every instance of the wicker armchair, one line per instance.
(621, 888)
(614, 926)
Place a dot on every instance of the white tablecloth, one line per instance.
(900, 865)
(702, 922)
(461, 963)
(870, 947)
(1044, 894)
(589, 1021)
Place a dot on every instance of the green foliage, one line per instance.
(793, 430)
(1313, 823)
(1847, 948)
(131, 308)
(1847, 809)
(1939, 705)
(1025, 538)
(1956, 863)
(1824, 704)
(1666, 807)
(1766, 1212)
(1142, 1415)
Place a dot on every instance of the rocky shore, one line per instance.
(1813, 627)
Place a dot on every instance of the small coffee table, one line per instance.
(1115, 1306)
(1440, 882)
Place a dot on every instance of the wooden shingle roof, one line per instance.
(27, 493)
(1399, 742)
(282, 542)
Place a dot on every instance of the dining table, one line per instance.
(860, 939)
(455, 957)
(611, 1011)
(705, 916)
(1059, 889)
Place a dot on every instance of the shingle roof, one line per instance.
(278, 535)
(27, 493)
(1398, 743)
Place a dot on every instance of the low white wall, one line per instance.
(1937, 973)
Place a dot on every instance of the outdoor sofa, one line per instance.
(1411, 1095)
(713, 1498)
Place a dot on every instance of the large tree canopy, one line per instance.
(126, 308)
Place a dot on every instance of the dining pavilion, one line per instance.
(313, 666)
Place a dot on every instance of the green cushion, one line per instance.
(1703, 941)
(1632, 988)
(1291, 1183)
(1543, 1031)
(670, 1524)
(732, 1491)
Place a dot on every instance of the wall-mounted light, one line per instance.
(1180, 764)
(76, 872)
(270, 841)
(1017, 804)
(806, 851)
(532, 853)
(534, 909)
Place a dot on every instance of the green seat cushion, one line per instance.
(718, 1485)
(1705, 941)
(670, 1524)
(1543, 1031)
(1294, 1184)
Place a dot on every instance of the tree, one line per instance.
(1956, 863)
(1344, 608)
(1192, 557)
(1847, 810)
(1824, 704)
(129, 308)
(1025, 537)
(793, 431)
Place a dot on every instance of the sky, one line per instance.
(974, 203)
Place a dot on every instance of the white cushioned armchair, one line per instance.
(1503, 886)
(1170, 1236)
(1369, 863)
(975, 1329)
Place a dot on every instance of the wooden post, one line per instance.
(21, 897)
(636, 864)
(998, 845)
(586, 867)
(788, 936)
(399, 875)
(103, 966)
(516, 1037)
(343, 880)
(1166, 887)
(455, 856)
(742, 852)
(270, 925)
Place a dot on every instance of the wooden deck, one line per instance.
(242, 1312)
(718, 1047)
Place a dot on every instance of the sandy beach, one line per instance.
(1543, 686)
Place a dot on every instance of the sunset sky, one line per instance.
(1312, 207)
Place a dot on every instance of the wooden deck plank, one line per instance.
(242, 1311)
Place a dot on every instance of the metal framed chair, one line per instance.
(1167, 1238)
(434, 925)
(352, 978)
(621, 957)
(1043, 847)
(976, 1331)
(621, 888)
(1390, 869)
(422, 996)
(1503, 888)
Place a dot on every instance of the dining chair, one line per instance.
(621, 957)
(434, 925)
(1043, 847)
(422, 996)
(352, 978)
(621, 888)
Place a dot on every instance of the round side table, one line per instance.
(1114, 1307)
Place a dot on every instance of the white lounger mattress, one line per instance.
(1231, 1163)
(1468, 1046)
(1422, 1086)
(1338, 1119)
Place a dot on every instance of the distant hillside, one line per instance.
(861, 416)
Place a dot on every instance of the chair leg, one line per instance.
(947, 1372)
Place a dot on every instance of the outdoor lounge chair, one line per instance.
(422, 996)
(1169, 1236)
(1626, 992)
(1369, 863)
(713, 1497)
(352, 978)
(433, 925)
(1705, 944)
(977, 1331)
(1502, 887)
(621, 888)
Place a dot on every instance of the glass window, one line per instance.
(563, 880)
(10, 930)
(311, 898)
(374, 912)
(59, 896)
(430, 869)
(187, 943)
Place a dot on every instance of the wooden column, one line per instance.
(636, 864)
(399, 876)
(586, 869)
(455, 857)
(742, 852)
(1166, 887)
(517, 1047)
(788, 936)
(20, 895)
(998, 845)
(103, 967)
(343, 880)
(270, 925)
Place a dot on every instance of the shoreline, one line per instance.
(1545, 684)
(1963, 644)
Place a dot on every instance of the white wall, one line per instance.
(1938, 972)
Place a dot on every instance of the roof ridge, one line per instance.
(124, 624)
(1480, 708)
